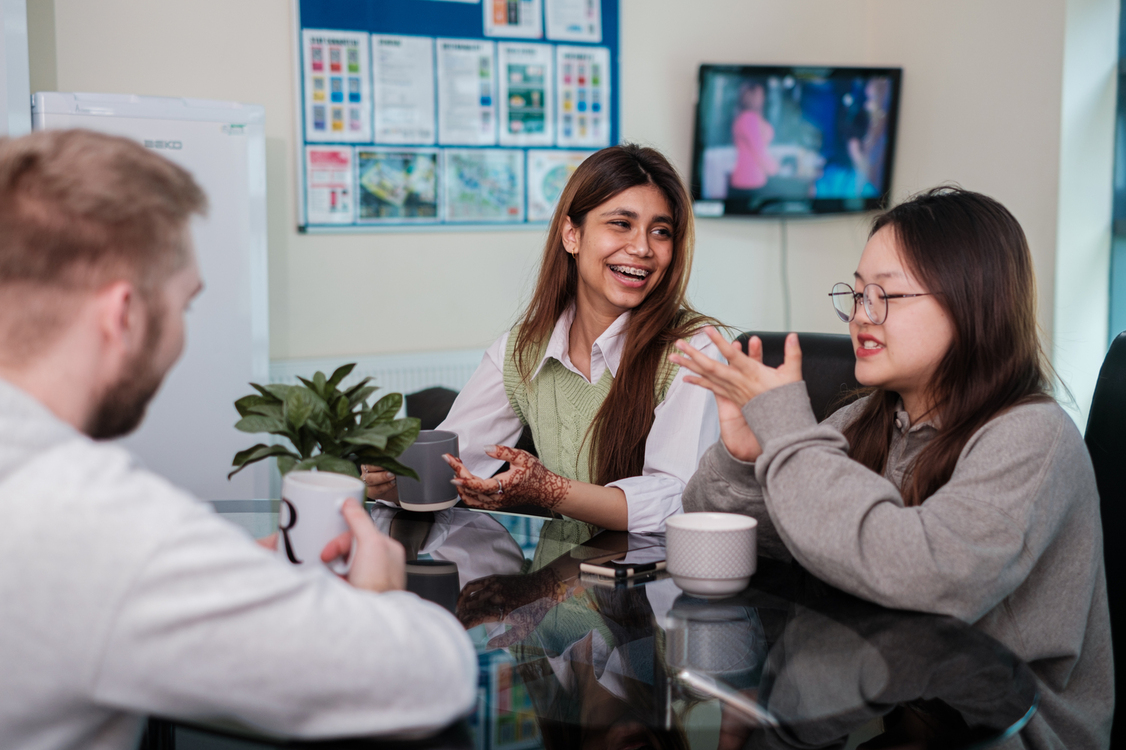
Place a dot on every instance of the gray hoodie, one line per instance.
(1011, 544)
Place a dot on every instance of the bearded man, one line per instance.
(121, 595)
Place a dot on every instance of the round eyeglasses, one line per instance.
(875, 301)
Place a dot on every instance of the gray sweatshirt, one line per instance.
(1012, 543)
(121, 596)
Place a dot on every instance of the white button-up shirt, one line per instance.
(685, 423)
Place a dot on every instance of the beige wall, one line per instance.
(981, 106)
(329, 295)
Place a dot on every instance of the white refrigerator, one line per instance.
(188, 434)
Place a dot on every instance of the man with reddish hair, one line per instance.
(123, 595)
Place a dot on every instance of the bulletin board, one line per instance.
(449, 113)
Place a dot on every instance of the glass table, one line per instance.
(569, 660)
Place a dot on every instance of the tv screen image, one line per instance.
(793, 140)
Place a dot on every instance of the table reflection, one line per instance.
(612, 666)
(573, 661)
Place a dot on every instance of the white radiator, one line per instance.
(393, 373)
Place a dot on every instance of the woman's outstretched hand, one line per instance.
(527, 482)
(744, 376)
(737, 382)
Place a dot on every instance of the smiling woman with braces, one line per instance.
(617, 430)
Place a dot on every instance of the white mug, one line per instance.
(711, 555)
(310, 516)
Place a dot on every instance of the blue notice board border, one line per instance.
(426, 18)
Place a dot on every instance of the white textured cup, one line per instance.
(711, 555)
(723, 639)
(310, 517)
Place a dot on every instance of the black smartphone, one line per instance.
(621, 571)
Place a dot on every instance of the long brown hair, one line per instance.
(970, 252)
(622, 424)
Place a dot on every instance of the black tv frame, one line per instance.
(789, 206)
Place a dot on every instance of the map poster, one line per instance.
(519, 19)
(328, 185)
(466, 92)
(582, 96)
(548, 172)
(403, 72)
(483, 185)
(396, 185)
(336, 73)
(526, 94)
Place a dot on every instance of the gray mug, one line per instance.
(435, 581)
(433, 492)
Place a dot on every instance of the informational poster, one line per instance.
(582, 96)
(520, 19)
(453, 114)
(483, 185)
(403, 89)
(397, 185)
(337, 77)
(526, 94)
(574, 20)
(328, 184)
(466, 92)
(548, 172)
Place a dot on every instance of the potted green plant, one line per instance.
(329, 429)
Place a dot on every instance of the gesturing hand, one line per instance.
(735, 432)
(744, 376)
(527, 481)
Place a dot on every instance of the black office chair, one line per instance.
(430, 405)
(828, 366)
(1106, 441)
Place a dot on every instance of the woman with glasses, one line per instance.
(957, 485)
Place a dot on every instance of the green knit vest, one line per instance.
(559, 406)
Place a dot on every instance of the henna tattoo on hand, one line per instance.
(519, 601)
(527, 481)
(493, 598)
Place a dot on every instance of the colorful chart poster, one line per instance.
(548, 172)
(582, 96)
(337, 78)
(396, 185)
(520, 19)
(574, 20)
(526, 94)
(483, 185)
(328, 185)
(466, 92)
(403, 89)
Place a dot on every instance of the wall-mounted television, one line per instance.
(793, 140)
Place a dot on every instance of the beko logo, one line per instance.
(171, 145)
